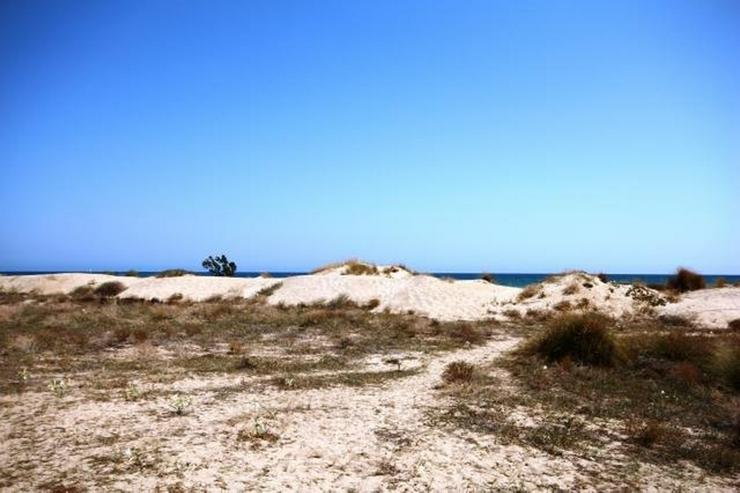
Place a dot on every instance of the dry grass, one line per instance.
(458, 372)
(528, 292)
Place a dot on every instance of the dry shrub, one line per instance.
(140, 335)
(236, 347)
(340, 302)
(571, 289)
(110, 289)
(458, 372)
(512, 313)
(562, 306)
(465, 332)
(645, 433)
(355, 268)
(488, 278)
(584, 338)
(602, 277)
(734, 324)
(83, 293)
(528, 292)
(727, 365)
(686, 373)
(676, 320)
(372, 304)
(720, 282)
(175, 298)
(686, 280)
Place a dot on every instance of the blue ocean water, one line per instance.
(505, 279)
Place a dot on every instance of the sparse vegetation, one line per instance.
(686, 280)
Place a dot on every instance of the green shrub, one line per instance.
(686, 280)
(109, 289)
(582, 338)
(219, 266)
(173, 273)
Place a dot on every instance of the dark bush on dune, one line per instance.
(173, 273)
(109, 289)
(582, 338)
(686, 280)
(488, 278)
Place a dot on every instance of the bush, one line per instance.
(458, 372)
(602, 277)
(727, 366)
(686, 280)
(734, 324)
(360, 269)
(82, 293)
(528, 292)
(220, 266)
(488, 278)
(583, 338)
(109, 289)
(721, 282)
(173, 273)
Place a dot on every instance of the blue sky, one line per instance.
(452, 136)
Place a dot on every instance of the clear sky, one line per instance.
(452, 136)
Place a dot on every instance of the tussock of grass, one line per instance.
(110, 289)
(583, 338)
(458, 372)
(528, 292)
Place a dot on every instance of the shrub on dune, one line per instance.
(110, 289)
(173, 273)
(582, 338)
(686, 280)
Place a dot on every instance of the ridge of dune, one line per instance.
(401, 291)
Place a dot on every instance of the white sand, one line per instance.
(402, 291)
(713, 307)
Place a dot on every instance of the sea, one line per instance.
(504, 279)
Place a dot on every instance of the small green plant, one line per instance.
(23, 376)
(132, 392)
(219, 266)
(179, 404)
(58, 387)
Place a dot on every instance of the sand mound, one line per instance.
(60, 283)
(399, 290)
(361, 268)
(424, 295)
(582, 291)
(197, 288)
(713, 307)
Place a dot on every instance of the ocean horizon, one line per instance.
(505, 279)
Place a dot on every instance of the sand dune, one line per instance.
(399, 290)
